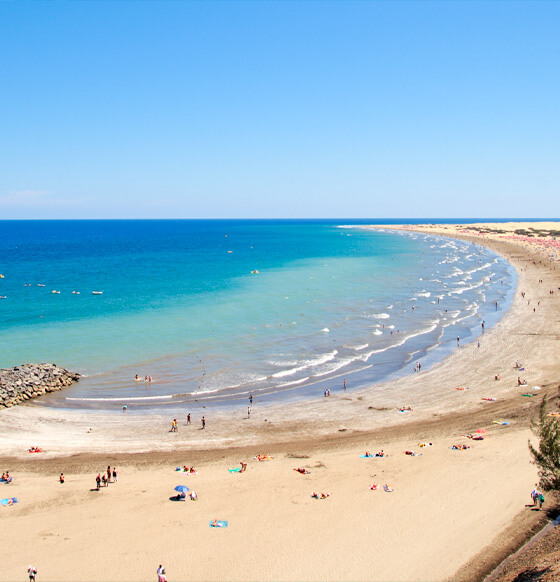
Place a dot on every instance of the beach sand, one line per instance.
(448, 506)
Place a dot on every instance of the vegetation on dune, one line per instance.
(547, 455)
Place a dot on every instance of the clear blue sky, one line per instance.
(279, 109)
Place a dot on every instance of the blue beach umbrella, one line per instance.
(182, 488)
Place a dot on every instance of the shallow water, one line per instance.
(180, 303)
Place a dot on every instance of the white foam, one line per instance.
(123, 398)
(307, 364)
(381, 315)
(357, 348)
(294, 383)
(377, 332)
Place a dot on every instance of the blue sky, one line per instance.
(279, 109)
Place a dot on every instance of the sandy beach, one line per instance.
(449, 511)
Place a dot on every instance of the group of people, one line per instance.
(146, 378)
(537, 497)
(175, 425)
(105, 478)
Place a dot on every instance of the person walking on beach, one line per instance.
(344, 385)
(115, 474)
(98, 481)
(189, 418)
(251, 399)
(248, 412)
(203, 422)
(109, 474)
(32, 572)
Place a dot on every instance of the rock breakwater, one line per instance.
(29, 381)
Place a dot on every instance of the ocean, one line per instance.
(216, 310)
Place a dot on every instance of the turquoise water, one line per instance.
(179, 301)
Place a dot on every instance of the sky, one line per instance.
(279, 109)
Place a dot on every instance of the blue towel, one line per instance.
(236, 470)
(366, 456)
(221, 523)
(12, 499)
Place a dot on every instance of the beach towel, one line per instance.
(489, 399)
(305, 472)
(6, 480)
(179, 470)
(529, 395)
(9, 501)
(500, 422)
(367, 456)
(374, 487)
(236, 470)
(219, 523)
(388, 489)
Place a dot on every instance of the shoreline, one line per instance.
(331, 432)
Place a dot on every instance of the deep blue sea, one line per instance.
(220, 309)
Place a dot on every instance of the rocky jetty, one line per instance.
(32, 380)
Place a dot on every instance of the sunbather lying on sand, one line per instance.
(302, 471)
(374, 487)
(424, 444)
(380, 453)
(405, 409)
(263, 457)
(368, 454)
(459, 447)
(319, 495)
(387, 488)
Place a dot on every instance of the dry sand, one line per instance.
(447, 507)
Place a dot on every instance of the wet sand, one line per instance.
(446, 508)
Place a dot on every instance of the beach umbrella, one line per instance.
(182, 488)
